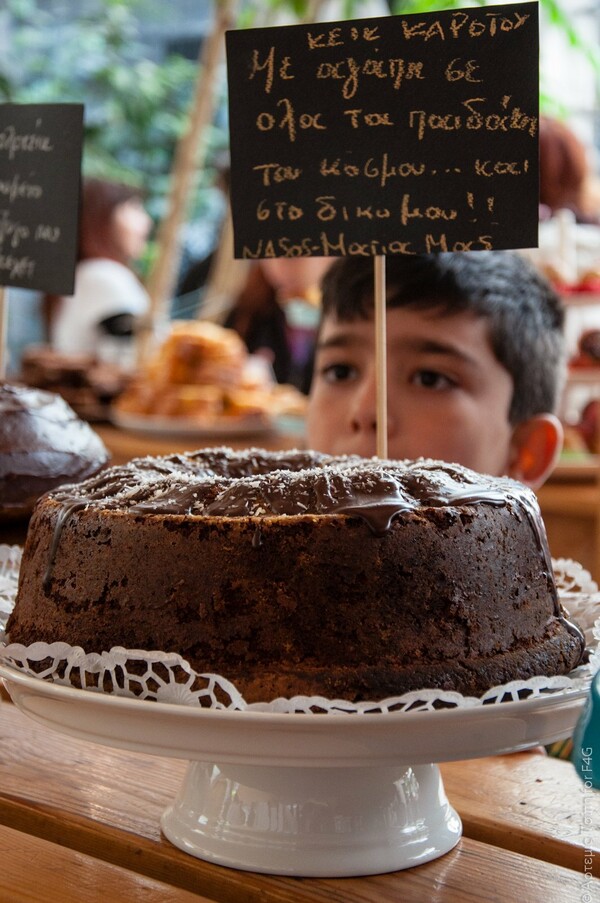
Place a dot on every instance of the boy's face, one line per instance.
(448, 396)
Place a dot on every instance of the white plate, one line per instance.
(297, 740)
(255, 425)
(304, 795)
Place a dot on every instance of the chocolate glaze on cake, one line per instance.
(43, 443)
(298, 573)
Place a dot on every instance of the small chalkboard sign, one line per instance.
(401, 134)
(40, 166)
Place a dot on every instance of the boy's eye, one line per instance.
(431, 379)
(334, 373)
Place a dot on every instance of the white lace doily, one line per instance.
(167, 677)
(10, 562)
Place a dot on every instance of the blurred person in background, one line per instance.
(109, 299)
(567, 178)
(569, 213)
(277, 313)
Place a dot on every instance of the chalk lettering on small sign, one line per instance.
(40, 173)
(401, 134)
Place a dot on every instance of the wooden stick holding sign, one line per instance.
(380, 355)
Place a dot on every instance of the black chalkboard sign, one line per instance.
(400, 134)
(40, 166)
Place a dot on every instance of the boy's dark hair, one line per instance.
(525, 315)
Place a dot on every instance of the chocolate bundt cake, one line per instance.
(299, 573)
(43, 443)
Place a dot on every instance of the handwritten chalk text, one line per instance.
(463, 24)
(16, 189)
(513, 120)
(12, 143)
(326, 244)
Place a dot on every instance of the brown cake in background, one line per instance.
(87, 384)
(43, 443)
(298, 573)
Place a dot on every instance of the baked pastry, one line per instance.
(87, 384)
(298, 573)
(198, 352)
(588, 350)
(203, 372)
(43, 443)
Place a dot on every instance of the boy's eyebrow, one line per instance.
(428, 346)
(431, 346)
(341, 340)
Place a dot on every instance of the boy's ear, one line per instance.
(535, 446)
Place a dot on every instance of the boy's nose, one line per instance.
(364, 411)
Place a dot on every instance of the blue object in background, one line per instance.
(586, 740)
(25, 326)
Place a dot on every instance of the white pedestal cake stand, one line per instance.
(325, 795)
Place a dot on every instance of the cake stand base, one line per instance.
(326, 795)
(310, 821)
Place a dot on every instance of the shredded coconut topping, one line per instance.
(221, 482)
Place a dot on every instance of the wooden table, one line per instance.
(571, 512)
(126, 444)
(80, 822)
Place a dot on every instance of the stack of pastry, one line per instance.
(85, 382)
(203, 372)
